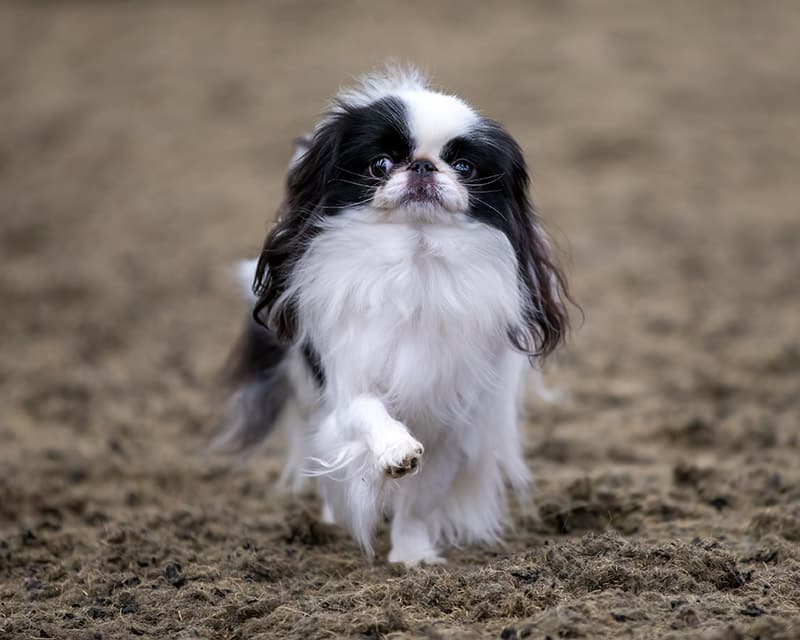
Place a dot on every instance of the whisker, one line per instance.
(331, 207)
(491, 175)
(347, 206)
(484, 180)
(357, 184)
(352, 173)
(487, 183)
(486, 204)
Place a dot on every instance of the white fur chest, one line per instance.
(416, 315)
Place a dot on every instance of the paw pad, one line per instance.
(408, 463)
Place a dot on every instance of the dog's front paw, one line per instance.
(400, 456)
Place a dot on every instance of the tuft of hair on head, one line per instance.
(370, 87)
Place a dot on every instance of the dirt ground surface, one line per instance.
(142, 150)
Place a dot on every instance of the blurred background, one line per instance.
(142, 151)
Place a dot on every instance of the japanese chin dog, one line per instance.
(406, 283)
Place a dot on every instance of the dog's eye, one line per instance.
(380, 167)
(464, 168)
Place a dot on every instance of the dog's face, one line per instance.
(394, 150)
(417, 155)
(402, 153)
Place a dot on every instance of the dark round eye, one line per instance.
(380, 167)
(464, 168)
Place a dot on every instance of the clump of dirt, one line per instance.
(142, 152)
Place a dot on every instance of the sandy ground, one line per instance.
(142, 149)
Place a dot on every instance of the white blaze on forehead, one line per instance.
(434, 119)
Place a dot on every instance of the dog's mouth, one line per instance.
(423, 194)
(420, 195)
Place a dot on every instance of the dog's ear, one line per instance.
(301, 145)
(298, 218)
(545, 320)
(545, 316)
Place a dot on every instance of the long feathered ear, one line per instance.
(545, 292)
(545, 315)
(298, 220)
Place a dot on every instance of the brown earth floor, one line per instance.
(142, 148)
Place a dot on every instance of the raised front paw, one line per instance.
(400, 457)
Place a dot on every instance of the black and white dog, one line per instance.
(397, 299)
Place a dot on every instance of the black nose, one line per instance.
(422, 167)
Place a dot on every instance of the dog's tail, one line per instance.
(256, 375)
(256, 378)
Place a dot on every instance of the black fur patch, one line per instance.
(258, 351)
(314, 363)
(259, 386)
(333, 174)
(499, 197)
